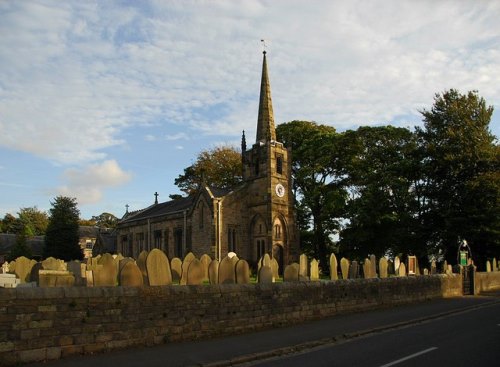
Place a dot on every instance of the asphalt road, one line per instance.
(464, 329)
(470, 338)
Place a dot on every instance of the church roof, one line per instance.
(265, 122)
(156, 210)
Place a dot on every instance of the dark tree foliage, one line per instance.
(461, 175)
(20, 248)
(62, 236)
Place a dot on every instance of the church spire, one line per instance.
(265, 123)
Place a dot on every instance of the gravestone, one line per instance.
(353, 270)
(51, 263)
(22, 268)
(494, 265)
(141, 263)
(231, 254)
(106, 259)
(265, 260)
(195, 273)
(242, 272)
(426, 271)
(104, 275)
(123, 262)
(382, 267)
(449, 270)
(55, 278)
(158, 268)
(176, 268)
(185, 265)
(373, 262)
(291, 273)
(205, 260)
(213, 272)
(445, 267)
(433, 267)
(314, 269)
(35, 275)
(265, 274)
(488, 266)
(275, 268)
(75, 268)
(344, 267)
(333, 267)
(397, 262)
(367, 269)
(303, 266)
(131, 275)
(402, 270)
(227, 274)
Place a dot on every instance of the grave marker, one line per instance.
(158, 268)
(291, 273)
(333, 267)
(242, 272)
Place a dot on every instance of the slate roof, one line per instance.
(8, 240)
(160, 209)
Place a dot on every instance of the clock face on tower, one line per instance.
(280, 190)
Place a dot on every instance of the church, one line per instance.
(255, 218)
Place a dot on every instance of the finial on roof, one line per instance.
(156, 197)
(263, 46)
(126, 209)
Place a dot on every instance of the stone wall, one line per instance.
(50, 323)
(484, 282)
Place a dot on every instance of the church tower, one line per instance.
(267, 172)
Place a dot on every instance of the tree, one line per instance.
(10, 224)
(220, 167)
(20, 248)
(62, 236)
(383, 176)
(461, 174)
(105, 220)
(317, 184)
(33, 220)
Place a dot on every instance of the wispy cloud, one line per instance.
(178, 136)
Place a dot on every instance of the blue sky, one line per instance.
(108, 101)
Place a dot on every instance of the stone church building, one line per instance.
(255, 218)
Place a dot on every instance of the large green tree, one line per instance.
(34, 221)
(105, 220)
(317, 184)
(220, 167)
(461, 175)
(62, 236)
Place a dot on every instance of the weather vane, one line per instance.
(263, 45)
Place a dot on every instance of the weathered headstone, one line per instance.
(205, 260)
(426, 271)
(353, 270)
(367, 269)
(195, 273)
(382, 267)
(291, 273)
(373, 262)
(35, 275)
(445, 267)
(333, 267)
(275, 268)
(141, 263)
(433, 267)
(131, 275)
(213, 272)
(227, 274)
(265, 260)
(397, 262)
(303, 266)
(494, 265)
(22, 268)
(176, 268)
(158, 268)
(344, 267)
(51, 263)
(314, 266)
(55, 278)
(185, 266)
(231, 254)
(75, 268)
(449, 270)
(402, 270)
(242, 272)
(265, 274)
(488, 266)
(104, 275)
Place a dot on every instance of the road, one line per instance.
(470, 338)
(464, 330)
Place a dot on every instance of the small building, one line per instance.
(252, 219)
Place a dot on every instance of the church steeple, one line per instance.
(265, 124)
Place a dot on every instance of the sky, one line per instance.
(109, 101)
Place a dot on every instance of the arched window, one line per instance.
(279, 165)
(277, 231)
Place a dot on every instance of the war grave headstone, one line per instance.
(185, 265)
(373, 262)
(205, 260)
(158, 268)
(265, 274)
(382, 267)
(303, 267)
(333, 267)
(227, 273)
(131, 275)
(242, 272)
(367, 269)
(354, 270)
(402, 270)
(195, 273)
(213, 272)
(291, 273)
(314, 266)
(176, 268)
(344, 267)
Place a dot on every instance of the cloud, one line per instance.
(177, 136)
(77, 75)
(88, 183)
